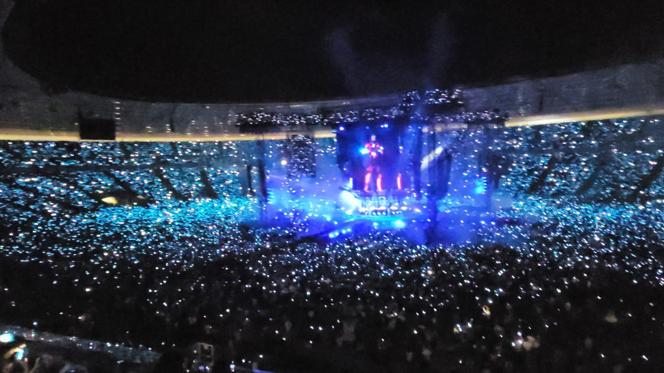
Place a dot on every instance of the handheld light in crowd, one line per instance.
(110, 200)
(20, 353)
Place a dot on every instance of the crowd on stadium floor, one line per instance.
(561, 301)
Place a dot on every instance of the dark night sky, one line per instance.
(254, 50)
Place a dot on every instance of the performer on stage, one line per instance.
(373, 178)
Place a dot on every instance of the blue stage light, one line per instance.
(342, 128)
(364, 151)
(349, 202)
(399, 224)
(480, 186)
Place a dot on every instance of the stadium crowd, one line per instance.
(569, 278)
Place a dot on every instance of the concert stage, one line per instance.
(382, 174)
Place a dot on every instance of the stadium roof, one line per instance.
(267, 51)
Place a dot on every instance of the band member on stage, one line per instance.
(373, 178)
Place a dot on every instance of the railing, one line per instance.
(134, 355)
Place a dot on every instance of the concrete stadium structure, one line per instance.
(27, 112)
